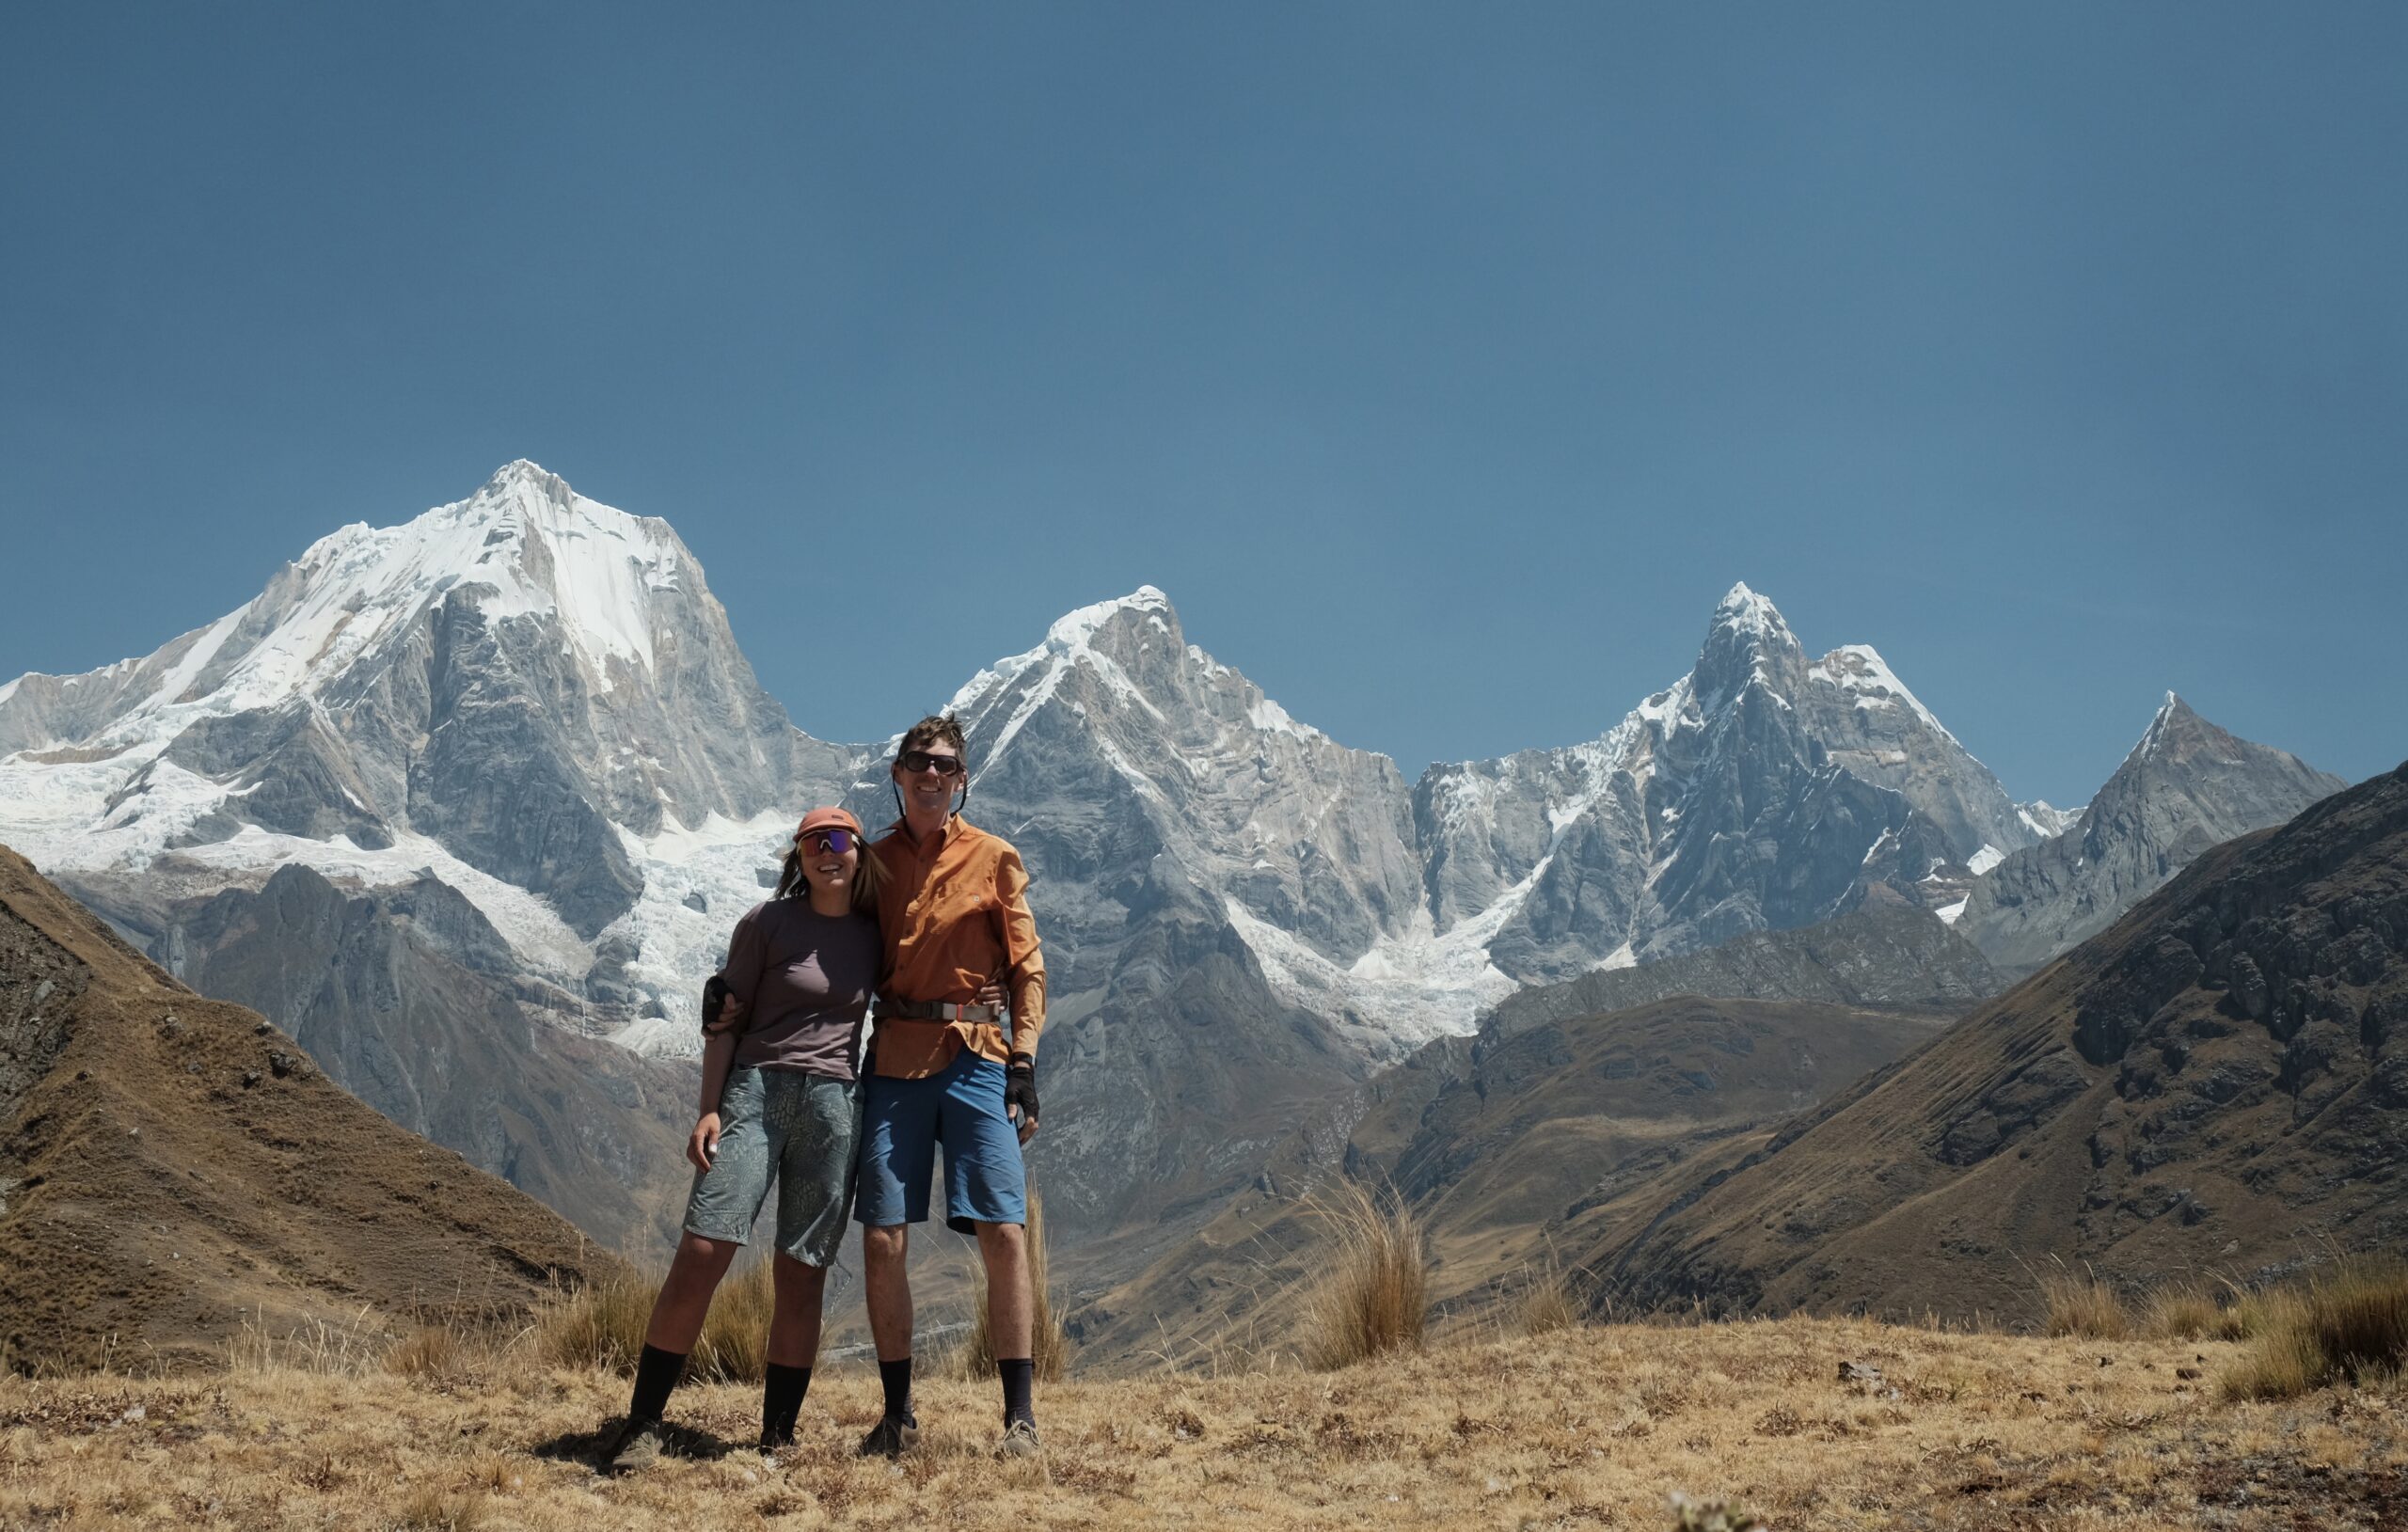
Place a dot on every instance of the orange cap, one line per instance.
(827, 819)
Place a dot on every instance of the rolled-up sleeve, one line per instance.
(1016, 930)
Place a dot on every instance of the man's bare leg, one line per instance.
(888, 1291)
(1011, 1307)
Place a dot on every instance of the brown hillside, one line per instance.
(175, 1171)
(2216, 1084)
(1518, 1136)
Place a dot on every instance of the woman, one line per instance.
(779, 1101)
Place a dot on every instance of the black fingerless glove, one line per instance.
(1019, 1090)
(714, 1001)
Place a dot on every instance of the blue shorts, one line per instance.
(960, 1106)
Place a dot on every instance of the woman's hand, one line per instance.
(701, 1145)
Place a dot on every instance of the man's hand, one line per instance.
(1020, 1098)
(701, 1145)
(990, 995)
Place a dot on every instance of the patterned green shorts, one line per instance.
(800, 1131)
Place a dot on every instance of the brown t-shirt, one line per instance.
(797, 988)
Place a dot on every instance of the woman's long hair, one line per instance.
(868, 877)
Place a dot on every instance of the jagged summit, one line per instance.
(2186, 786)
(1743, 608)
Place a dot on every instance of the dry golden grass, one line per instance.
(974, 1356)
(2079, 1304)
(2347, 1322)
(1546, 1302)
(602, 1324)
(1375, 1297)
(1584, 1427)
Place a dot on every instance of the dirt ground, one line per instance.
(1580, 1428)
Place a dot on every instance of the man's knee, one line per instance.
(881, 1244)
(1002, 1237)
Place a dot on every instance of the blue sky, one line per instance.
(1444, 364)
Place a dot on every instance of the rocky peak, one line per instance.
(1747, 641)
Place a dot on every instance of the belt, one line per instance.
(931, 1010)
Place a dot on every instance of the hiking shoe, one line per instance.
(892, 1437)
(1019, 1440)
(639, 1444)
(775, 1441)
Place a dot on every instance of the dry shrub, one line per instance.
(2080, 1304)
(975, 1355)
(2348, 1322)
(1375, 1297)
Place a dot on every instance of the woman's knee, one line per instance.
(702, 1258)
(797, 1276)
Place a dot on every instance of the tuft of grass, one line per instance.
(342, 1348)
(1547, 1303)
(1375, 1296)
(2080, 1304)
(974, 1356)
(2358, 1317)
(601, 1325)
(436, 1510)
(1713, 1516)
(2183, 1311)
(2348, 1322)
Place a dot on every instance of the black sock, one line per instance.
(896, 1377)
(782, 1392)
(656, 1373)
(1020, 1380)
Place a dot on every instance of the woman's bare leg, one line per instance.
(694, 1274)
(794, 1324)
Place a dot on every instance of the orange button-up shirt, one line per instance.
(954, 912)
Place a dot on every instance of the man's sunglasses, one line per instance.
(916, 762)
(837, 842)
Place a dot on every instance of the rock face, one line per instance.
(2186, 786)
(173, 1168)
(2215, 1082)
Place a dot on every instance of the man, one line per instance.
(952, 911)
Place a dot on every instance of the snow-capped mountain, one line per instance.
(2186, 786)
(534, 781)
(1759, 791)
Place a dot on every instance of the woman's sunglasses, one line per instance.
(916, 762)
(837, 842)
